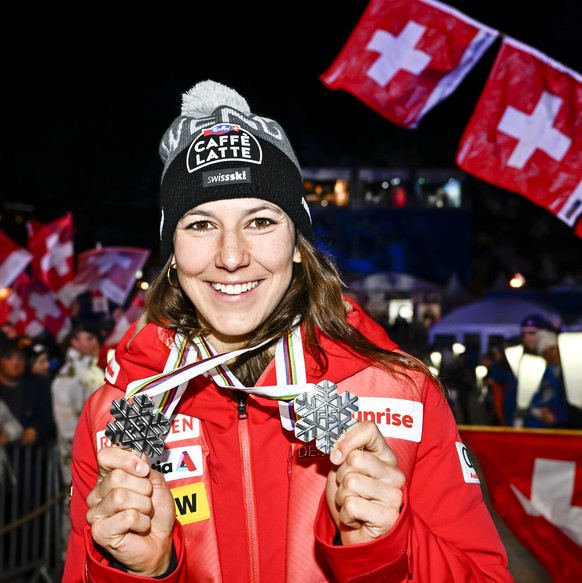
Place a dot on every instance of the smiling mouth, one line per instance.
(236, 289)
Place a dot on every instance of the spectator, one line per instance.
(499, 381)
(529, 328)
(27, 396)
(77, 378)
(38, 361)
(549, 407)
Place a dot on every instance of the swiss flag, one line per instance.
(32, 308)
(110, 270)
(13, 260)
(534, 479)
(405, 56)
(51, 246)
(525, 134)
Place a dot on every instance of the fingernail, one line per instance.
(335, 456)
(142, 469)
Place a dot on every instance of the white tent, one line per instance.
(488, 317)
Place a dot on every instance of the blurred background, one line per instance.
(90, 88)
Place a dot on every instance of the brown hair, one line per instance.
(314, 295)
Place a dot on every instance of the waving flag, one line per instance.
(111, 270)
(32, 308)
(525, 134)
(405, 56)
(51, 246)
(13, 260)
(534, 479)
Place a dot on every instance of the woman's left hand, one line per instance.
(364, 488)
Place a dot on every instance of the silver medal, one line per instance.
(324, 415)
(136, 426)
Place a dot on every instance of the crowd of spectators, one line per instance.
(492, 399)
(43, 387)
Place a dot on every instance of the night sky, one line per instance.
(89, 88)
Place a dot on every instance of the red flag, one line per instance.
(52, 248)
(111, 270)
(13, 260)
(525, 134)
(534, 479)
(405, 56)
(32, 308)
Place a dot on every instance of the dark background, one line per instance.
(90, 87)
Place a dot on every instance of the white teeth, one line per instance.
(234, 290)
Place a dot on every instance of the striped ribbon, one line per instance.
(167, 388)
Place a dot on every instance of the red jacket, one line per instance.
(250, 501)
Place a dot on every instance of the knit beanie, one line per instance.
(217, 149)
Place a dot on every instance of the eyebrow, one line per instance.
(251, 211)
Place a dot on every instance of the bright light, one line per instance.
(143, 285)
(436, 358)
(480, 372)
(517, 281)
(406, 312)
(4, 293)
(458, 348)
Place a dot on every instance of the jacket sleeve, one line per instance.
(84, 562)
(444, 532)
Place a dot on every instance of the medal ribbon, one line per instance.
(166, 388)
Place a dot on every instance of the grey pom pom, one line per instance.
(206, 96)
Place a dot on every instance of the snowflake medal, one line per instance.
(324, 415)
(137, 426)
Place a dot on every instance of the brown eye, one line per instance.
(200, 226)
(261, 223)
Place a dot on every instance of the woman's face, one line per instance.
(235, 261)
(41, 365)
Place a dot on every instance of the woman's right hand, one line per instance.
(131, 512)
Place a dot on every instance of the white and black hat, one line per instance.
(217, 149)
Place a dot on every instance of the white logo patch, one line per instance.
(181, 427)
(179, 463)
(223, 143)
(469, 472)
(399, 418)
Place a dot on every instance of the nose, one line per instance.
(232, 252)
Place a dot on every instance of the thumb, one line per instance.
(366, 436)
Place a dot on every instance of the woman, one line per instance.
(39, 362)
(248, 326)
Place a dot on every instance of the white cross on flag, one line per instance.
(405, 56)
(534, 479)
(13, 260)
(525, 134)
(111, 270)
(52, 248)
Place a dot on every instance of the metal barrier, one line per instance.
(31, 503)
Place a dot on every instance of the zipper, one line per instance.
(248, 486)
